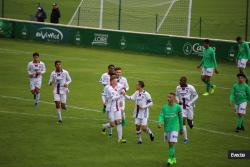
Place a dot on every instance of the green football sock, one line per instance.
(239, 122)
(208, 85)
(171, 151)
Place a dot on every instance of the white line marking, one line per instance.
(88, 109)
(72, 18)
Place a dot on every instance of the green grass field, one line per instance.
(139, 15)
(30, 137)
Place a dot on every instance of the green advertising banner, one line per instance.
(139, 42)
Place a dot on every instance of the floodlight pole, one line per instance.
(246, 28)
(101, 14)
(119, 15)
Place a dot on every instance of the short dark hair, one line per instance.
(241, 75)
(172, 93)
(118, 68)
(141, 83)
(111, 66)
(35, 54)
(238, 38)
(207, 41)
(183, 78)
(58, 61)
(112, 77)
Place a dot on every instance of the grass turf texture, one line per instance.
(30, 137)
(224, 19)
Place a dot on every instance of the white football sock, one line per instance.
(59, 114)
(110, 130)
(185, 131)
(138, 133)
(119, 131)
(37, 98)
(149, 131)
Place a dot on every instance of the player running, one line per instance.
(209, 65)
(114, 108)
(61, 80)
(243, 55)
(171, 117)
(122, 81)
(240, 95)
(186, 96)
(143, 101)
(36, 69)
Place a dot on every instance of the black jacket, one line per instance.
(41, 16)
(55, 15)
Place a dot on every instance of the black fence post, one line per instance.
(2, 8)
(78, 17)
(119, 14)
(156, 22)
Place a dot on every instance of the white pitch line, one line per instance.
(88, 109)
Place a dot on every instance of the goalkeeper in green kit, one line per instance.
(240, 95)
(171, 118)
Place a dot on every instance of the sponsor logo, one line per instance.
(232, 52)
(193, 49)
(100, 39)
(50, 34)
(123, 43)
(78, 38)
(24, 32)
(169, 48)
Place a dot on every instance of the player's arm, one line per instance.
(247, 50)
(68, 80)
(195, 96)
(215, 62)
(126, 85)
(161, 119)
(30, 72)
(132, 97)
(43, 70)
(51, 79)
(180, 119)
(201, 63)
(102, 80)
(232, 97)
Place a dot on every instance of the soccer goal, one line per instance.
(154, 16)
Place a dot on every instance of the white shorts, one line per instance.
(115, 115)
(60, 97)
(241, 108)
(242, 63)
(207, 71)
(141, 121)
(35, 83)
(188, 112)
(171, 137)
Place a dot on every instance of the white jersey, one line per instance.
(123, 82)
(186, 95)
(105, 79)
(60, 79)
(113, 96)
(36, 67)
(144, 100)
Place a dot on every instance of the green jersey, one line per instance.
(240, 93)
(208, 60)
(244, 51)
(171, 117)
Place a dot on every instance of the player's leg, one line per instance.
(118, 122)
(241, 111)
(190, 116)
(146, 129)
(172, 140)
(64, 101)
(138, 130)
(111, 123)
(185, 130)
(33, 89)
(57, 100)
(38, 84)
